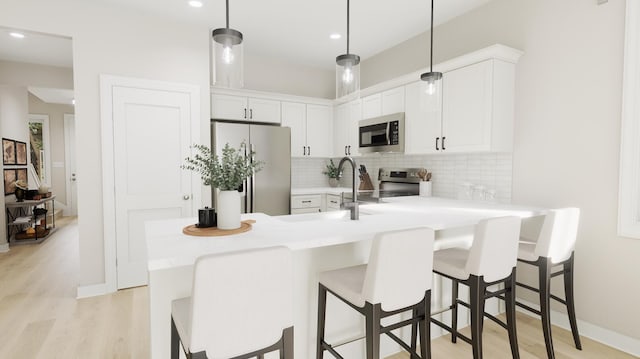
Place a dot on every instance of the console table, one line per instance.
(21, 215)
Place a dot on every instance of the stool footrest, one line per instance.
(450, 330)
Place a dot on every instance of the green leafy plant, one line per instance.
(225, 173)
(332, 170)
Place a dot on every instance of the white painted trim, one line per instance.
(93, 290)
(602, 335)
(4, 247)
(497, 52)
(46, 142)
(107, 83)
(67, 171)
(628, 195)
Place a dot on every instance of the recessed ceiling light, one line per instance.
(195, 3)
(335, 36)
(17, 35)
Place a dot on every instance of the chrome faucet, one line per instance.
(353, 205)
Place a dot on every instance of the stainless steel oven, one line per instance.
(382, 134)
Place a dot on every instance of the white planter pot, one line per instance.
(425, 189)
(228, 209)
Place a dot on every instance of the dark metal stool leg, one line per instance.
(322, 308)
(414, 334)
(510, 302)
(569, 298)
(287, 344)
(544, 273)
(372, 330)
(477, 293)
(454, 311)
(425, 329)
(175, 341)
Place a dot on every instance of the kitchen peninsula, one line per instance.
(319, 242)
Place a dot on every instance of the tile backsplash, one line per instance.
(482, 176)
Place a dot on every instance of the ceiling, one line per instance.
(291, 31)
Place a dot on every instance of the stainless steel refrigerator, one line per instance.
(269, 190)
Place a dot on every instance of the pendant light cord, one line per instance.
(228, 14)
(347, 26)
(431, 53)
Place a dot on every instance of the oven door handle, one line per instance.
(387, 132)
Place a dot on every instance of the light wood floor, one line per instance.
(40, 316)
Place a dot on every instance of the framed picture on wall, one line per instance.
(21, 174)
(9, 178)
(21, 153)
(8, 151)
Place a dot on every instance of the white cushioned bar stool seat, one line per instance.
(241, 306)
(553, 247)
(490, 260)
(397, 279)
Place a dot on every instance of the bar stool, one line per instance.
(240, 306)
(397, 279)
(554, 247)
(491, 260)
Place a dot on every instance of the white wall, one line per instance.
(567, 129)
(124, 42)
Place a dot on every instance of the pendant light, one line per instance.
(227, 56)
(432, 78)
(347, 69)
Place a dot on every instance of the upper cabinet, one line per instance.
(241, 108)
(311, 128)
(384, 103)
(474, 114)
(345, 128)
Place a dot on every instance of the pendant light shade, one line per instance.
(432, 79)
(347, 69)
(228, 62)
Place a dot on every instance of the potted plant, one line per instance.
(333, 173)
(226, 173)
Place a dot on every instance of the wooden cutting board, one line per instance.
(193, 230)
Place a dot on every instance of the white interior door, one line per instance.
(70, 165)
(152, 132)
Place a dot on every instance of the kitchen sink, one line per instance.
(322, 216)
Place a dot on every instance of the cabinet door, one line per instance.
(226, 107)
(341, 130)
(355, 115)
(261, 110)
(393, 101)
(319, 131)
(423, 119)
(294, 117)
(466, 117)
(372, 106)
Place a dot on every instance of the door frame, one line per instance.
(46, 144)
(68, 136)
(107, 83)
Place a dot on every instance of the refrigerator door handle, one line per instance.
(253, 178)
(245, 182)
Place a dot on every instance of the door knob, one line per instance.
(185, 197)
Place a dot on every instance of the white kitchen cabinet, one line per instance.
(306, 204)
(383, 103)
(474, 114)
(345, 129)
(241, 108)
(333, 202)
(311, 129)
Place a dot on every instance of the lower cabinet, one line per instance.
(333, 202)
(306, 204)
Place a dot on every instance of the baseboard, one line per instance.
(591, 331)
(4, 247)
(91, 290)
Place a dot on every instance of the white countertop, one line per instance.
(168, 247)
(319, 190)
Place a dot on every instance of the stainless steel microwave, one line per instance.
(382, 134)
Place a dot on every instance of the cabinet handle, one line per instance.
(251, 114)
(336, 202)
(306, 201)
(349, 150)
(443, 143)
(304, 150)
(345, 150)
(437, 139)
(308, 150)
(245, 113)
